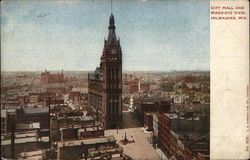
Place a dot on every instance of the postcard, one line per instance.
(125, 79)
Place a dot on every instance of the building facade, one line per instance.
(105, 84)
(180, 143)
(49, 78)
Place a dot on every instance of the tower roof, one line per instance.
(111, 21)
(112, 35)
(111, 42)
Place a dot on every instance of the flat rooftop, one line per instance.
(101, 140)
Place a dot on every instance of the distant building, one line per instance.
(105, 84)
(49, 78)
(133, 86)
(144, 87)
(152, 106)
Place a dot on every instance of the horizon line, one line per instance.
(122, 71)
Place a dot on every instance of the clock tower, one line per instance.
(111, 65)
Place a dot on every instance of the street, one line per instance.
(129, 120)
(140, 149)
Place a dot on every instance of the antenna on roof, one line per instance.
(111, 6)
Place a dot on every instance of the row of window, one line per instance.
(113, 108)
(113, 73)
(95, 101)
(114, 85)
(113, 97)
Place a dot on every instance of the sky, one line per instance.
(155, 35)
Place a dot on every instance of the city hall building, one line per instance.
(105, 84)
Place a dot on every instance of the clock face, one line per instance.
(113, 51)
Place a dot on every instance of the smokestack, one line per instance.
(12, 147)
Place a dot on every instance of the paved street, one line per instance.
(129, 120)
(140, 149)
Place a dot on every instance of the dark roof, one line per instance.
(91, 75)
(97, 75)
(98, 71)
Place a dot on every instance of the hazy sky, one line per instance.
(155, 35)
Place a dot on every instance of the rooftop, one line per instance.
(31, 154)
(87, 141)
(25, 140)
(35, 110)
(28, 126)
(20, 135)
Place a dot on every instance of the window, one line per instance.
(115, 106)
(112, 74)
(110, 107)
(117, 73)
(109, 73)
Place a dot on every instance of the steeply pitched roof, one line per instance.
(96, 75)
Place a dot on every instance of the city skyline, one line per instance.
(154, 37)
